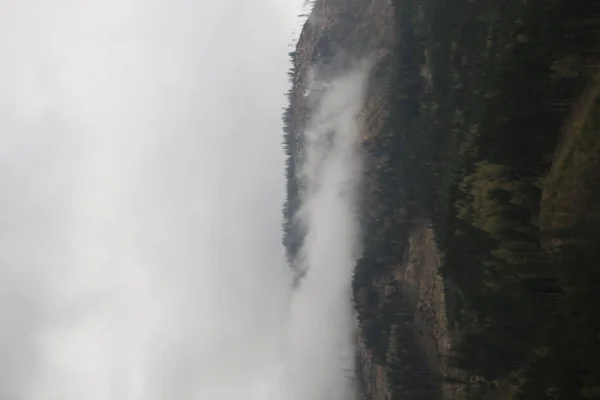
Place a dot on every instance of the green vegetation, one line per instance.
(493, 137)
(474, 145)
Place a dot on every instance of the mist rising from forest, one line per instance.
(320, 348)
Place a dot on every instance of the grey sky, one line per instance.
(142, 177)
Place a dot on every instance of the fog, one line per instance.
(320, 355)
(140, 224)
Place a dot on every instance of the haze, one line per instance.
(140, 223)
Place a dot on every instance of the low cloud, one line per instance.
(320, 353)
(142, 179)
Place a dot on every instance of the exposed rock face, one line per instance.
(420, 278)
(423, 284)
(374, 385)
(423, 287)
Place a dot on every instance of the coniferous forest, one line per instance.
(493, 138)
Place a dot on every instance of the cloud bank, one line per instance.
(142, 177)
(322, 325)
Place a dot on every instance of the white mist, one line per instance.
(319, 357)
(142, 181)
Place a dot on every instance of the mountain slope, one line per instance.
(479, 266)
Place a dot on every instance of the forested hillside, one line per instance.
(484, 95)
(491, 136)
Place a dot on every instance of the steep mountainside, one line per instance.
(336, 32)
(479, 273)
